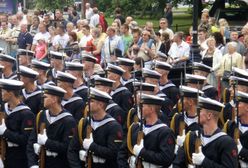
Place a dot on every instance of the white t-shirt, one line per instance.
(88, 13)
(178, 51)
(45, 35)
(84, 40)
(94, 20)
(61, 40)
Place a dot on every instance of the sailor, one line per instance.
(152, 77)
(127, 79)
(165, 85)
(98, 138)
(243, 129)
(53, 130)
(42, 68)
(89, 62)
(156, 147)
(217, 148)
(105, 85)
(32, 95)
(204, 70)
(25, 57)
(8, 62)
(195, 81)
(17, 125)
(71, 101)
(120, 94)
(57, 64)
(76, 69)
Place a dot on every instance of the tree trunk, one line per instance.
(218, 4)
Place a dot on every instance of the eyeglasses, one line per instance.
(162, 22)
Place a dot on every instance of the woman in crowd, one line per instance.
(73, 48)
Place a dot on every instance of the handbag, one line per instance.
(227, 74)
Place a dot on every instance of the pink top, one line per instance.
(40, 50)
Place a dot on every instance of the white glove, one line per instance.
(42, 138)
(180, 139)
(239, 146)
(2, 127)
(36, 147)
(87, 142)
(82, 155)
(1, 163)
(132, 161)
(242, 164)
(176, 149)
(138, 148)
(191, 166)
(198, 158)
(34, 166)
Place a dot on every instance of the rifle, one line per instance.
(42, 155)
(2, 116)
(17, 67)
(181, 124)
(89, 128)
(140, 133)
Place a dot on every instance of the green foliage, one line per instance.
(53, 4)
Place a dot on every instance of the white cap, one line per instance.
(65, 77)
(28, 72)
(151, 73)
(99, 95)
(115, 69)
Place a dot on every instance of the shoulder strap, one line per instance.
(80, 131)
(129, 139)
(187, 147)
(37, 121)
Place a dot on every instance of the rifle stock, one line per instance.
(139, 139)
(42, 154)
(2, 141)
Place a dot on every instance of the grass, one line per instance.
(183, 20)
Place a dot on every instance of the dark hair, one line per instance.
(118, 10)
(157, 34)
(165, 35)
(87, 27)
(125, 26)
(218, 38)
(73, 35)
(139, 60)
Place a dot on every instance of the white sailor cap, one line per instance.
(115, 69)
(53, 90)
(144, 86)
(1, 49)
(240, 81)
(201, 67)
(99, 95)
(242, 97)
(240, 72)
(151, 99)
(195, 79)
(210, 104)
(163, 65)
(88, 57)
(162, 55)
(9, 84)
(7, 58)
(56, 55)
(40, 64)
(190, 92)
(125, 61)
(74, 66)
(25, 52)
(65, 77)
(28, 72)
(103, 81)
(148, 73)
(1, 67)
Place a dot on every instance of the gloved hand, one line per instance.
(1, 163)
(138, 148)
(191, 166)
(82, 155)
(198, 158)
(36, 147)
(34, 166)
(42, 138)
(2, 127)
(180, 139)
(239, 146)
(176, 149)
(87, 142)
(132, 162)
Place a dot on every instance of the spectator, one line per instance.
(168, 14)
(80, 25)
(212, 57)
(224, 29)
(25, 39)
(73, 48)
(128, 20)
(110, 44)
(126, 37)
(117, 26)
(88, 11)
(52, 33)
(166, 43)
(235, 38)
(219, 41)
(61, 39)
(179, 51)
(246, 52)
(87, 36)
(157, 41)
(47, 21)
(202, 36)
(4, 34)
(34, 26)
(149, 27)
(213, 27)
(73, 15)
(41, 49)
(94, 20)
(146, 48)
(59, 19)
(189, 38)
(119, 16)
(42, 32)
(103, 35)
(69, 27)
(134, 48)
(204, 22)
(163, 24)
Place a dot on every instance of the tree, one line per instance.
(51, 5)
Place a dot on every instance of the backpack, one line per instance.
(103, 22)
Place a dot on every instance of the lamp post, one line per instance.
(195, 49)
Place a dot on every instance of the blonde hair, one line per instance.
(223, 22)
